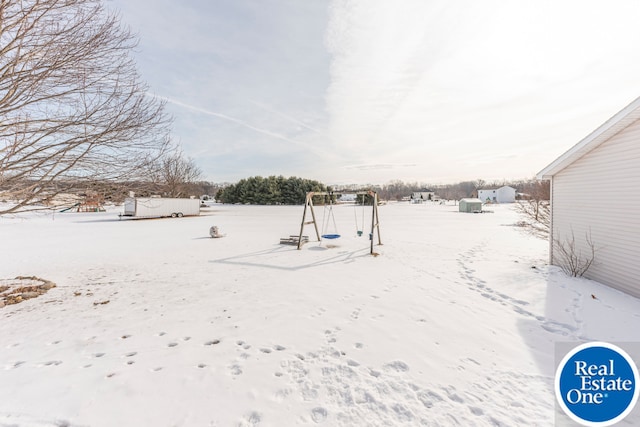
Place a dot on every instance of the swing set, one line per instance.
(328, 218)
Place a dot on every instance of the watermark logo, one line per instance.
(596, 384)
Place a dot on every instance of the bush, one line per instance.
(572, 261)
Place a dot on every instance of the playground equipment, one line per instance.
(329, 218)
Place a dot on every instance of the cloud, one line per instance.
(287, 117)
(357, 91)
(460, 88)
(242, 123)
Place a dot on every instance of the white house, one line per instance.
(422, 196)
(504, 194)
(606, 162)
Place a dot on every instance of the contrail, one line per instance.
(286, 117)
(241, 123)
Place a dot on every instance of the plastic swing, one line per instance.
(330, 218)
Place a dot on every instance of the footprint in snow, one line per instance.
(476, 411)
(318, 415)
(243, 344)
(429, 398)
(251, 420)
(16, 364)
(397, 366)
(172, 344)
(213, 342)
(235, 370)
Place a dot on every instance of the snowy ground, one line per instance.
(154, 323)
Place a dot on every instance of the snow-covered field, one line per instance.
(154, 323)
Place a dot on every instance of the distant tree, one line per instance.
(177, 175)
(72, 107)
(396, 190)
(207, 188)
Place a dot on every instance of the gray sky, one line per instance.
(366, 91)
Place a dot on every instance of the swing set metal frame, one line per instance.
(308, 206)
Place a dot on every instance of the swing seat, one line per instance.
(330, 236)
(359, 233)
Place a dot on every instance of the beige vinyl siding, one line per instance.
(600, 194)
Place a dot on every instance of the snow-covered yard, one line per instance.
(154, 323)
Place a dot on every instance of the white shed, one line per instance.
(504, 194)
(606, 162)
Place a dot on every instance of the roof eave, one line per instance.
(609, 128)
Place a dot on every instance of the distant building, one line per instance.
(347, 198)
(503, 194)
(606, 162)
(470, 205)
(422, 196)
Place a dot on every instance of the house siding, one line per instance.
(506, 194)
(503, 194)
(599, 194)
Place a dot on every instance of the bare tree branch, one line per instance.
(177, 174)
(535, 208)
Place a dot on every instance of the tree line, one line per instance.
(397, 190)
(291, 191)
(273, 190)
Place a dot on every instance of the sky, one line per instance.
(370, 91)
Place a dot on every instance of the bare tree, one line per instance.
(177, 175)
(535, 207)
(72, 106)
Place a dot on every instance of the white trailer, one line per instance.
(156, 207)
